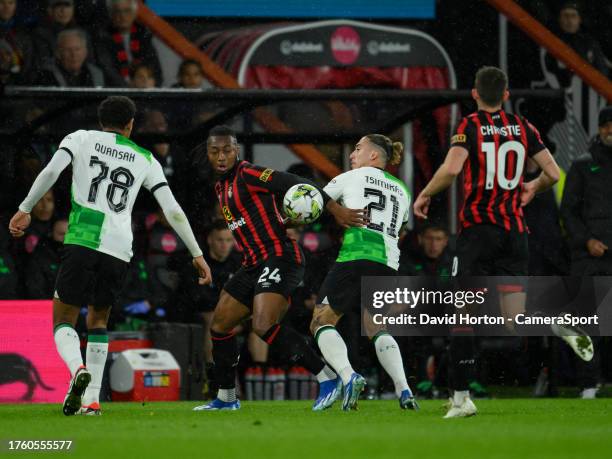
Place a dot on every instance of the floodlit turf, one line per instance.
(516, 429)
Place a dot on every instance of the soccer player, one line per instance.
(366, 251)
(108, 170)
(272, 267)
(491, 148)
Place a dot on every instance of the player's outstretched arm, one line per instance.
(442, 179)
(45, 180)
(279, 182)
(178, 220)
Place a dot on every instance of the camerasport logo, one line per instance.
(345, 45)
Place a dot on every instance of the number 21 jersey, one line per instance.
(107, 172)
(388, 203)
(498, 145)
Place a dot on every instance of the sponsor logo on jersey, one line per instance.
(459, 138)
(265, 175)
(227, 214)
(237, 224)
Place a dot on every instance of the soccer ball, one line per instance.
(303, 203)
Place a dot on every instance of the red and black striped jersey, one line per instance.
(498, 145)
(248, 198)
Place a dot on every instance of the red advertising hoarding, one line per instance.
(31, 371)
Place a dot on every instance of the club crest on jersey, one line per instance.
(459, 138)
(227, 214)
(265, 175)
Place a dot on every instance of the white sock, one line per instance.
(326, 374)
(227, 395)
(334, 351)
(68, 346)
(97, 350)
(390, 358)
(460, 396)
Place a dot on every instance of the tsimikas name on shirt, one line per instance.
(382, 183)
(512, 129)
(114, 153)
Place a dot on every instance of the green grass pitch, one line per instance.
(508, 428)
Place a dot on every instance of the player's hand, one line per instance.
(421, 206)
(347, 217)
(203, 270)
(596, 248)
(528, 192)
(19, 223)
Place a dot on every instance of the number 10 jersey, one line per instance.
(107, 173)
(387, 200)
(498, 144)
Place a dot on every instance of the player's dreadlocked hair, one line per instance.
(491, 82)
(392, 150)
(116, 112)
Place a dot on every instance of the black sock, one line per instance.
(462, 356)
(225, 356)
(291, 346)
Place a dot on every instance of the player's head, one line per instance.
(605, 125)
(433, 239)
(220, 240)
(222, 148)
(376, 150)
(116, 113)
(490, 87)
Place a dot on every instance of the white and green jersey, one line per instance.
(107, 172)
(388, 202)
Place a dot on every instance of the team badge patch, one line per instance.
(265, 175)
(227, 214)
(458, 138)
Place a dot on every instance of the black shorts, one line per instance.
(489, 250)
(279, 275)
(341, 288)
(89, 277)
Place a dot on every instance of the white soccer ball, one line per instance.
(303, 203)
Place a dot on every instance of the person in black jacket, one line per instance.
(586, 210)
(43, 264)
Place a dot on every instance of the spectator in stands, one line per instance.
(431, 258)
(42, 221)
(60, 17)
(8, 272)
(124, 43)
(142, 77)
(15, 47)
(570, 31)
(133, 305)
(70, 68)
(41, 269)
(190, 75)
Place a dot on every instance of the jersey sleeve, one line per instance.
(276, 182)
(71, 143)
(462, 134)
(155, 178)
(335, 188)
(534, 140)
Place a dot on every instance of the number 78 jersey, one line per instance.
(107, 172)
(498, 145)
(387, 200)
